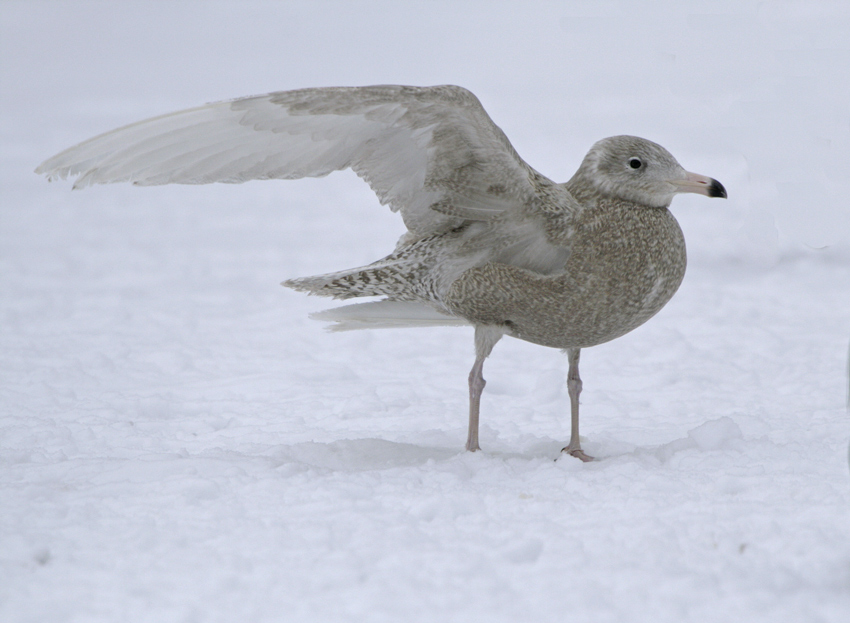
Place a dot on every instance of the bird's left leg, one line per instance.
(485, 339)
(574, 389)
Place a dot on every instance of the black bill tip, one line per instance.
(715, 189)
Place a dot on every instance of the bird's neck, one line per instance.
(582, 188)
(591, 196)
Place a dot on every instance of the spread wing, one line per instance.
(431, 152)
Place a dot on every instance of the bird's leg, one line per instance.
(574, 388)
(476, 386)
(485, 339)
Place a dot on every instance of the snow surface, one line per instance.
(178, 442)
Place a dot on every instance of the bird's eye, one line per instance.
(635, 163)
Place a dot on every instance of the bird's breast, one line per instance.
(624, 264)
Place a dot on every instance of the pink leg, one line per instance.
(485, 339)
(476, 386)
(574, 389)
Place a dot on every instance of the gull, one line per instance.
(490, 242)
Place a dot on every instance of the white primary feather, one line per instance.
(431, 152)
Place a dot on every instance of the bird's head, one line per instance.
(637, 170)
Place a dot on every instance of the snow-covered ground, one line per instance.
(178, 442)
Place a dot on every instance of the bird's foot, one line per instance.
(578, 453)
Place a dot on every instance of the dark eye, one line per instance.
(635, 163)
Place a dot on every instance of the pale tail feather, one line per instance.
(385, 315)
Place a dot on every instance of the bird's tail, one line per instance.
(398, 277)
(339, 285)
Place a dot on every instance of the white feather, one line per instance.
(418, 148)
(385, 315)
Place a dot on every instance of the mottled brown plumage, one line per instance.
(625, 263)
(491, 242)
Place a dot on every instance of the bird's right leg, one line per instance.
(485, 339)
(574, 389)
(476, 386)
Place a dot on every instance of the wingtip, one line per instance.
(42, 169)
(50, 172)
